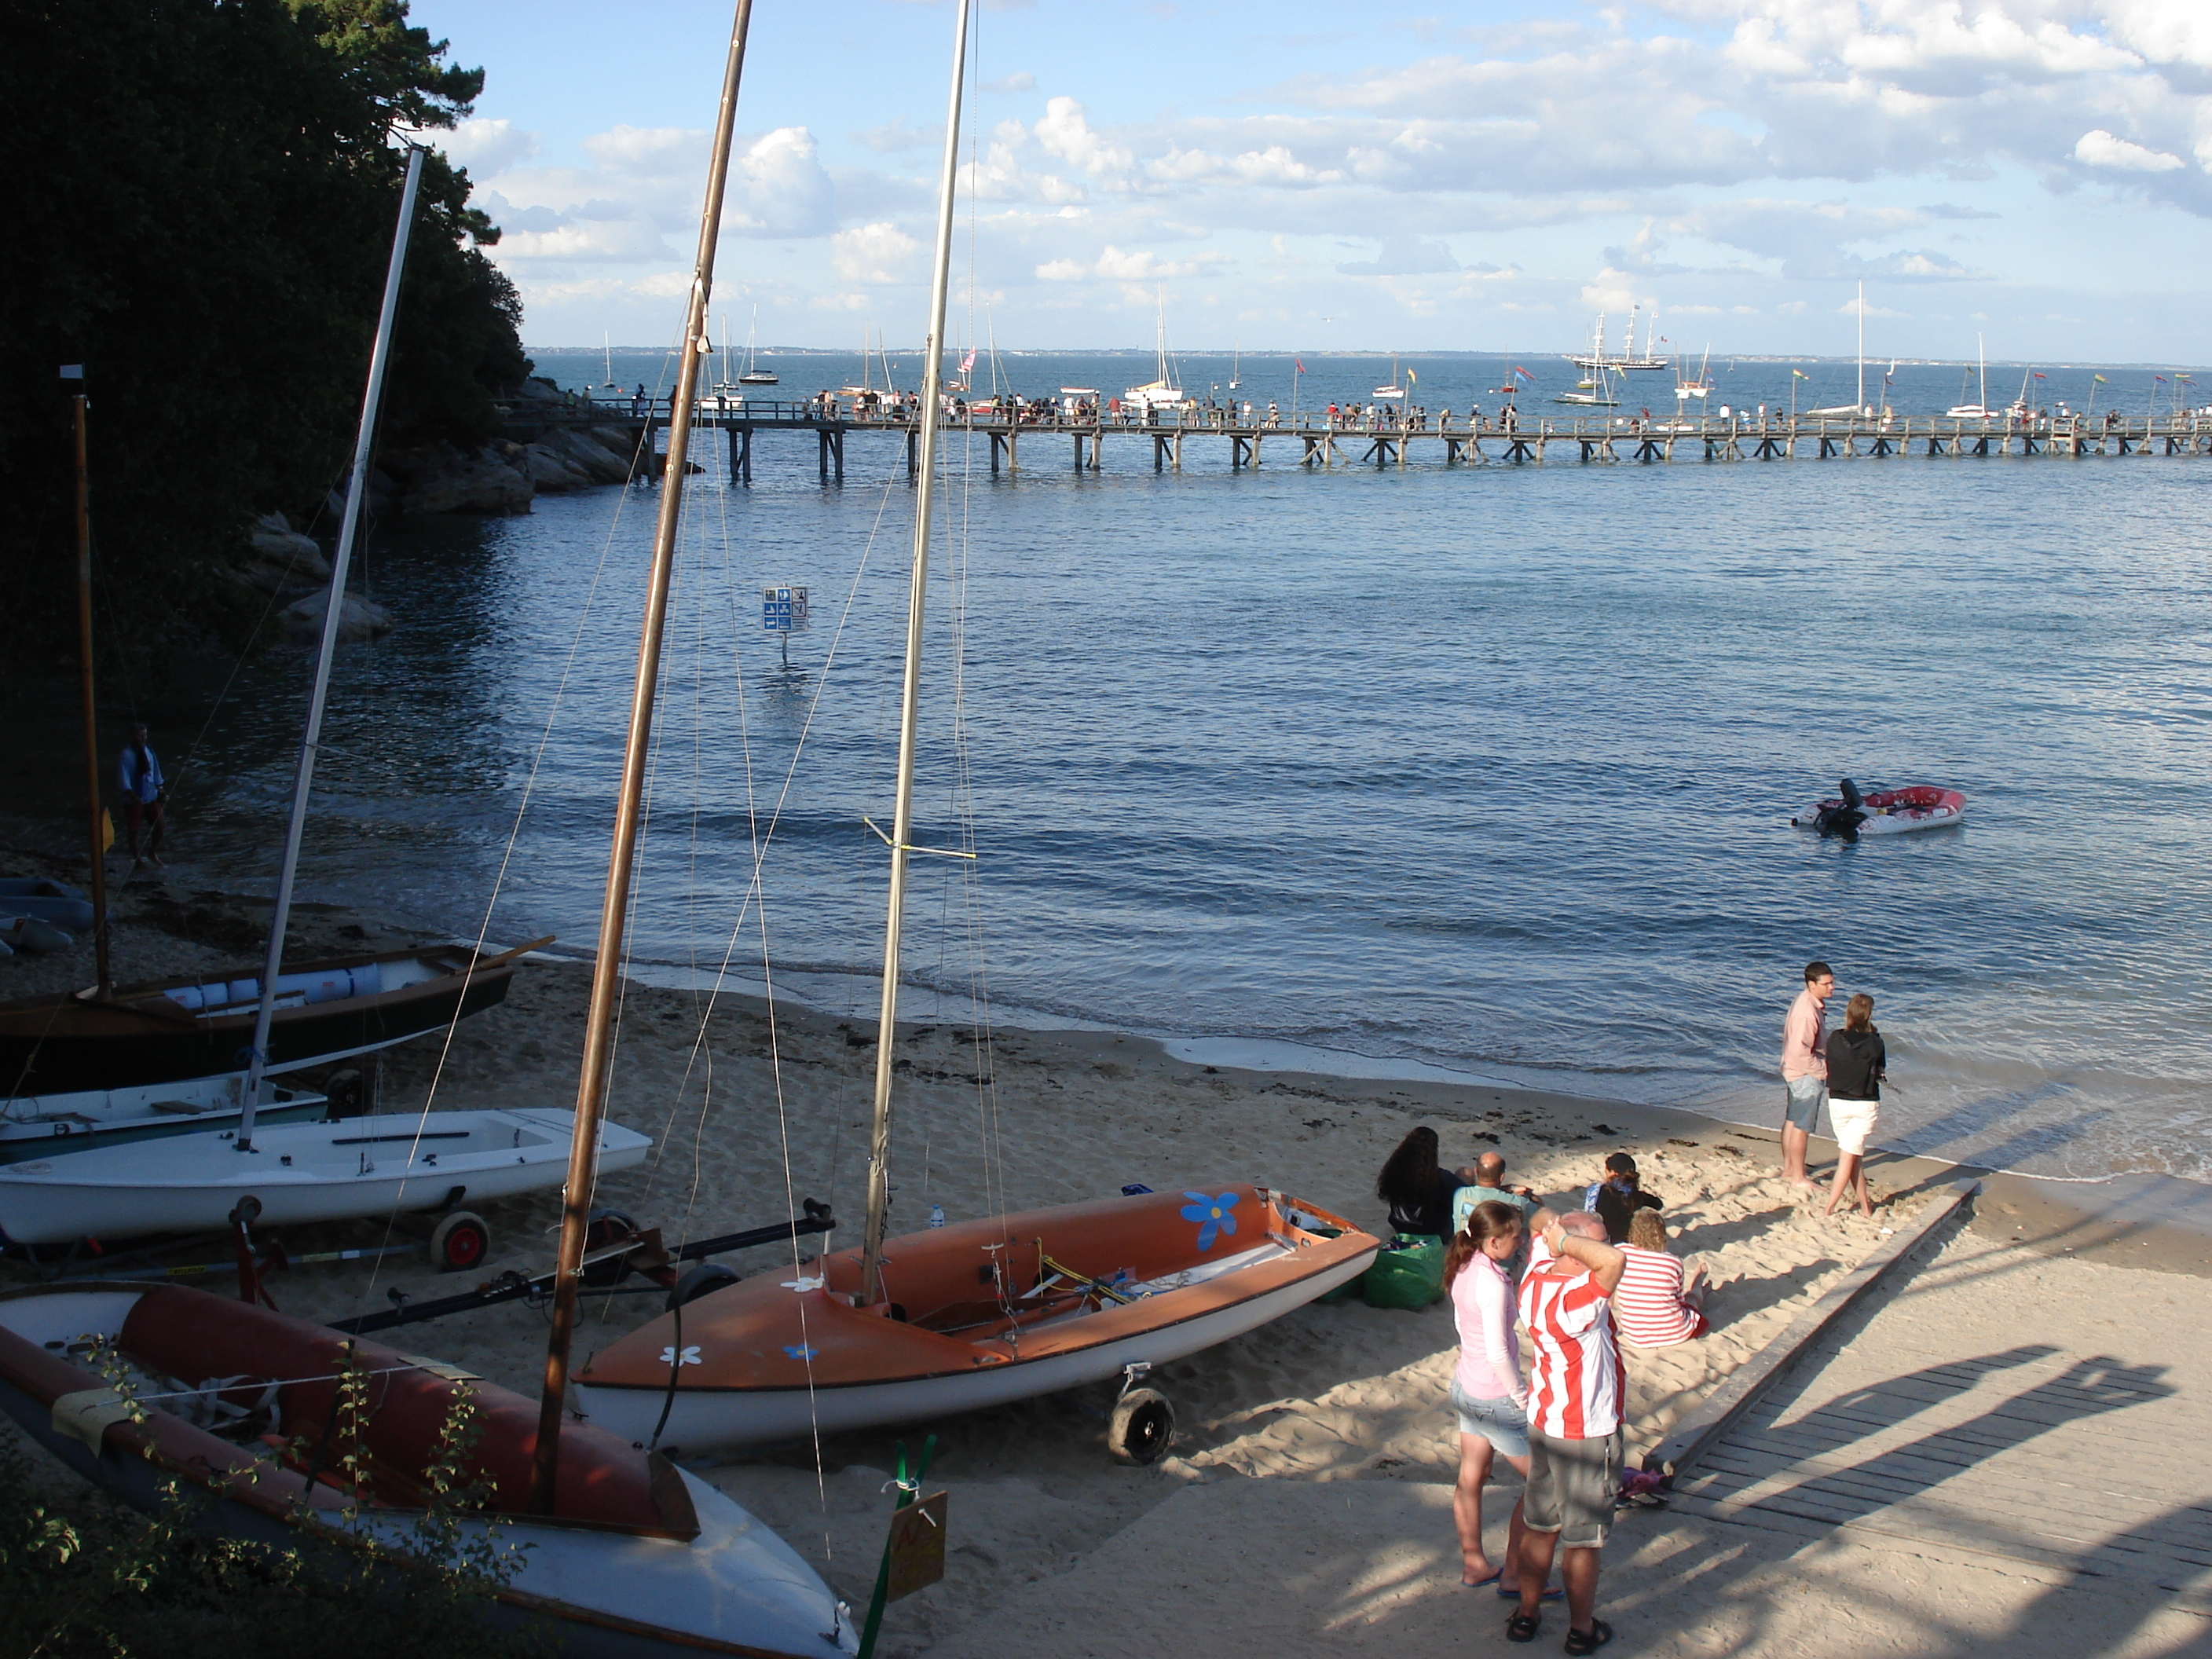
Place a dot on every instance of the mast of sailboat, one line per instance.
(1982, 367)
(613, 913)
(303, 776)
(1861, 409)
(933, 353)
(94, 821)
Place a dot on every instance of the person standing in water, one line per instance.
(1804, 1070)
(1856, 1060)
(138, 774)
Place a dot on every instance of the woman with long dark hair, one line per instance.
(1486, 1390)
(1419, 1193)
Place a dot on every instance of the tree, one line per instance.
(206, 191)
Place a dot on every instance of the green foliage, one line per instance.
(205, 192)
(93, 1581)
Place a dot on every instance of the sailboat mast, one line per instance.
(1861, 409)
(91, 706)
(303, 777)
(614, 914)
(932, 352)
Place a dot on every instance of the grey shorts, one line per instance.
(1500, 1422)
(1801, 1102)
(1571, 1487)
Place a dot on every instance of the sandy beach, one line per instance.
(1327, 1427)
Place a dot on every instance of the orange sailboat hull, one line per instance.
(974, 1315)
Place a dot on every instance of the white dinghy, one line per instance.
(298, 1172)
(38, 1125)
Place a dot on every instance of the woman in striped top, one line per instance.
(1658, 1304)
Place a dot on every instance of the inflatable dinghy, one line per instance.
(1884, 812)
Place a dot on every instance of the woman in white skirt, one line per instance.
(1856, 1059)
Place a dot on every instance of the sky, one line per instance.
(1294, 176)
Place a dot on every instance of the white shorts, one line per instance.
(1854, 1121)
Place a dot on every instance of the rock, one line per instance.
(294, 557)
(550, 472)
(538, 389)
(589, 456)
(441, 478)
(359, 618)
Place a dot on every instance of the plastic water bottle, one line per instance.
(937, 1215)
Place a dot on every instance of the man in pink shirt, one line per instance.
(1804, 1069)
(1576, 1394)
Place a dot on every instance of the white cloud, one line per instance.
(1406, 256)
(778, 187)
(487, 147)
(1064, 131)
(873, 253)
(2099, 149)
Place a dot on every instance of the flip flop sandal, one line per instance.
(1523, 1627)
(1477, 1583)
(1588, 1641)
(1514, 1595)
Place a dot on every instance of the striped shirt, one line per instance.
(1648, 1304)
(1576, 1384)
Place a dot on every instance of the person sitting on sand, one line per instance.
(1489, 1187)
(1660, 1302)
(1418, 1194)
(1619, 1196)
(1486, 1390)
(1856, 1059)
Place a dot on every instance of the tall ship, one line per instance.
(1598, 360)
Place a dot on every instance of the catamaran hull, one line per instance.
(704, 1420)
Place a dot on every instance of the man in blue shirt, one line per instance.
(144, 791)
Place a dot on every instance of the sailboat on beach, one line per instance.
(977, 1313)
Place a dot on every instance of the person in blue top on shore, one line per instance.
(145, 793)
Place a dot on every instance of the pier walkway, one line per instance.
(1020, 437)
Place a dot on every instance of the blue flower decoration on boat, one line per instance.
(801, 1352)
(1211, 1215)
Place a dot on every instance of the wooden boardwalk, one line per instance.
(1906, 1425)
(1315, 442)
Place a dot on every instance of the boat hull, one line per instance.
(1896, 812)
(40, 1126)
(675, 1573)
(300, 1172)
(65, 1044)
(777, 1356)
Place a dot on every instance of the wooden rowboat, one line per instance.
(202, 1025)
(973, 1314)
(635, 1558)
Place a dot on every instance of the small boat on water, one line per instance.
(970, 1316)
(244, 1410)
(1884, 811)
(197, 1025)
(35, 1126)
(297, 1172)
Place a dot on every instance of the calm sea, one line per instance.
(1483, 768)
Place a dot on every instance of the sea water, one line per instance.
(1475, 771)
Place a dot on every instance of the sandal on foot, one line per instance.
(1491, 1578)
(1523, 1627)
(1590, 1640)
(1514, 1595)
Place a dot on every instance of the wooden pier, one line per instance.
(1319, 443)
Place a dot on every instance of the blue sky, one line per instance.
(2037, 172)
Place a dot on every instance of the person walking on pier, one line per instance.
(1804, 1070)
(145, 794)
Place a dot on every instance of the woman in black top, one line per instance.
(1856, 1059)
(1418, 1194)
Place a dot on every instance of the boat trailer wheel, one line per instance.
(461, 1240)
(1142, 1427)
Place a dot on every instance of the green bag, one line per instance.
(1408, 1273)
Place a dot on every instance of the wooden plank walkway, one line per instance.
(1908, 1424)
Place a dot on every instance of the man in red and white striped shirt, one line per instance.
(1575, 1392)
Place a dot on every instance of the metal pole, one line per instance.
(879, 1142)
(91, 709)
(304, 777)
(614, 914)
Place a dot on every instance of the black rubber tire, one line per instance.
(461, 1240)
(703, 1279)
(1142, 1427)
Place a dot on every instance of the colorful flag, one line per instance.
(2043, 377)
(1301, 362)
(968, 361)
(1411, 378)
(1521, 374)
(2100, 379)
(2160, 379)
(1801, 374)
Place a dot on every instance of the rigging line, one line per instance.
(514, 836)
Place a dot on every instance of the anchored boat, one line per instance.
(246, 1408)
(1883, 812)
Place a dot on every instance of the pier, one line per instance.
(1075, 438)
